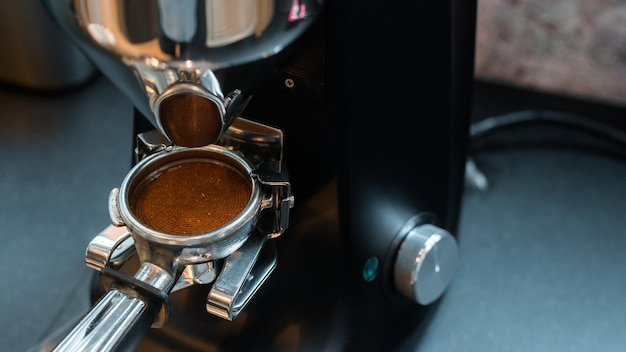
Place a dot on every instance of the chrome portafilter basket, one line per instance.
(177, 205)
(191, 216)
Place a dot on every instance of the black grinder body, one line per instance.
(375, 105)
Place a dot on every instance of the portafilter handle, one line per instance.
(121, 317)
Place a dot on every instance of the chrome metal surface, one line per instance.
(118, 320)
(281, 202)
(114, 213)
(219, 50)
(111, 247)
(109, 322)
(426, 263)
(158, 247)
(241, 277)
(155, 276)
(196, 274)
(257, 141)
(150, 142)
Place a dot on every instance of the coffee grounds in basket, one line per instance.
(191, 198)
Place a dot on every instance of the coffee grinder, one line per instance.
(296, 177)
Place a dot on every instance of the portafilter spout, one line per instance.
(189, 66)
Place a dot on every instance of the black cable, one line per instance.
(483, 128)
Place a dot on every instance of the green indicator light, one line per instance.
(370, 269)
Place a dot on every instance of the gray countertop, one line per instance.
(62, 154)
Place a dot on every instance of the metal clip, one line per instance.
(244, 272)
(110, 248)
(276, 219)
(196, 274)
(149, 143)
(258, 142)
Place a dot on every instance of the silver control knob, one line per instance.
(426, 263)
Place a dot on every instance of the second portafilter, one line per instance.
(189, 66)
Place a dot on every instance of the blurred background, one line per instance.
(542, 224)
